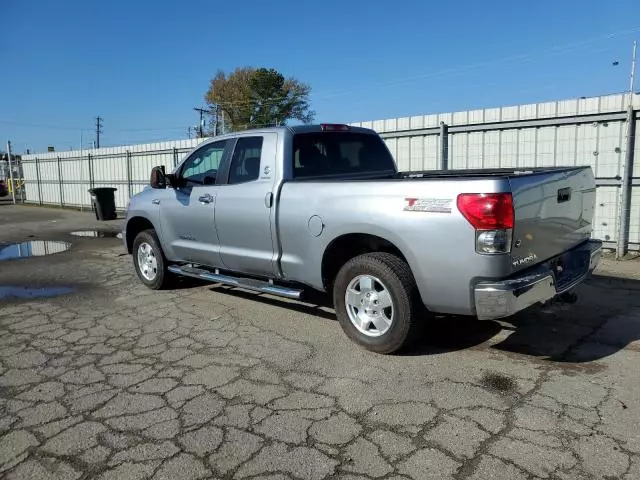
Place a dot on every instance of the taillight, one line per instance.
(492, 216)
(487, 211)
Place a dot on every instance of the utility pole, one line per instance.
(623, 232)
(98, 130)
(13, 185)
(202, 111)
(216, 131)
(632, 77)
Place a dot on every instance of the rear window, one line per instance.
(334, 153)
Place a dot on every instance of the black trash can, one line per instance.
(103, 201)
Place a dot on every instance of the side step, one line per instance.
(240, 282)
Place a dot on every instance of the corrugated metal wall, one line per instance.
(586, 131)
(505, 137)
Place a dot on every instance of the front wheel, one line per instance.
(149, 261)
(377, 302)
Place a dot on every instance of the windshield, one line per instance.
(334, 153)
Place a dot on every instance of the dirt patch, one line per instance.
(498, 382)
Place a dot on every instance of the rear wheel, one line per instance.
(377, 302)
(149, 261)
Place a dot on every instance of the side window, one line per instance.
(202, 167)
(245, 163)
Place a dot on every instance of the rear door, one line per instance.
(244, 211)
(553, 212)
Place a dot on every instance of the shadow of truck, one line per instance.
(605, 319)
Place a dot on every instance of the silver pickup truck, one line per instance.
(290, 210)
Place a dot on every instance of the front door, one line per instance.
(245, 207)
(187, 212)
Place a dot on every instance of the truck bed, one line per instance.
(553, 207)
(466, 174)
(481, 173)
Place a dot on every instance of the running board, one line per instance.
(239, 282)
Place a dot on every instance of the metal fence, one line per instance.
(64, 178)
(585, 131)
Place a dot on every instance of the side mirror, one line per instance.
(158, 177)
(172, 180)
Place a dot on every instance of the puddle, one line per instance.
(33, 248)
(97, 234)
(26, 292)
(498, 382)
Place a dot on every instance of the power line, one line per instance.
(85, 129)
(33, 125)
(554, 50)
(202, 111)
(529, 56)
(152, 129)
(522, 57)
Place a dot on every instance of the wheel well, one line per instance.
(346, 247)
(134, 227)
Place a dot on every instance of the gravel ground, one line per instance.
(106, 379)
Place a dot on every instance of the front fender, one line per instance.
(136, 222)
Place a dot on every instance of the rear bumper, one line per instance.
(499, 299)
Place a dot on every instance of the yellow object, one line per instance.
(19, 182)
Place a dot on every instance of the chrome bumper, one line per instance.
(504, 298)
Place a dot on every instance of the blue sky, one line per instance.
(143, 65)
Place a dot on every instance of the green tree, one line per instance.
(256, 97)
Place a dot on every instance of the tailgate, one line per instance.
(553, 213)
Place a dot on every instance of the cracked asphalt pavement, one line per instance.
(113, 381)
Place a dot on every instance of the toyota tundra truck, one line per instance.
(296, 209)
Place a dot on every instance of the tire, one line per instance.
(395, 276)
(161, 278)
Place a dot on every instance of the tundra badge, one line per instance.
(528, 259)
(434, 205)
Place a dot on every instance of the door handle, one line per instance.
(206, 198)
(155, 201)
(564, 195)
(268, 200)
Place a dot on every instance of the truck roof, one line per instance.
(319, 127)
